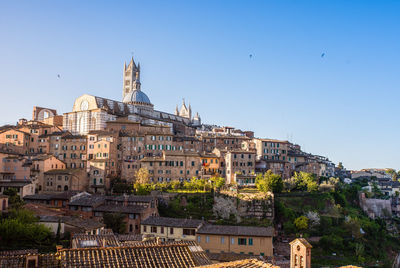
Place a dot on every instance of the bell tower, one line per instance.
(131, 78)
(300, 253)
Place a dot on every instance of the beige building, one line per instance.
(236, 239)
(72, 150)
(57, 180)
(173, 165)
(239, 165)
(40, 164)
(171, 229)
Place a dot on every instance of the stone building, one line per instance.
(236, 239)
(239, 166)
(171, 229)
(41, 164)
(173, 165)
(92, 112)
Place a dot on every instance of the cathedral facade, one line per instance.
(91, 113)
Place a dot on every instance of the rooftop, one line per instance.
(172, 222)
(236, 230)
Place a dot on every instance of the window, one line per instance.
(171, 230)
(222, 240)
(242, 241)
(188, 232)
(145, 228)
(154, 229)
(162, 230)
(250, 241)
(207, 239)
(198, 239)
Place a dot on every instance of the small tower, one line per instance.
(196, 120)
(184, 111)
(131, 77)
(300, 253)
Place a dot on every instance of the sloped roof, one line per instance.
(236, 230)
(164, 256)
(247, 263)
(172, 222)
(302, 241)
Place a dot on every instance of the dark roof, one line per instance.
(38, 197)
(132, 198)
(62, 171)
(88, 201)
(63, 195)
(119, 209)
(236, 230)
(84, 224)
(15, 183)
(172, 222)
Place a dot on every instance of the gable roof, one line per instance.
(247, 263)
(164, 256)
(172, 222)
(303, 241)
(236, 230)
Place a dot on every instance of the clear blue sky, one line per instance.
(343, 105)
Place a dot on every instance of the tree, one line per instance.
(306, 181)
(392, 173)
(218, 182)
(142, 176)
(301, 223)
(313, 218)
(115, 221)
(269, 182)
(58, 234)
(340, 165)
(14, 200)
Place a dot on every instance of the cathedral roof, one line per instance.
(136, 96)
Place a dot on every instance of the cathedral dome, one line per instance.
(136, 96)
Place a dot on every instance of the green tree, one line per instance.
(218, 182)
(115, 221)
(269, 182)
(392, 173)
(14, 200)
(340, 165)
(306, 181)
(301, 223)
(142, 176)
(58, 234)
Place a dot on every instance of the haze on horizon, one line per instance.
(322, 74)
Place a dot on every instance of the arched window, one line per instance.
(59, 188)
(66, 188)
(93, 124)
(83, 124)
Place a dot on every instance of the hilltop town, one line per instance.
(119, 183)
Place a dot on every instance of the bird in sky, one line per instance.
(59, 76)
(250, 56)
(322, 55)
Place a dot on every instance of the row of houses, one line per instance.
(55, 160)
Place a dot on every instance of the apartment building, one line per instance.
(173, 165)
(236, 239)
(171, 229)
